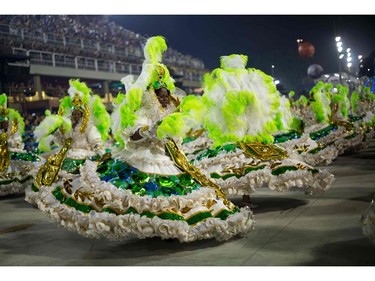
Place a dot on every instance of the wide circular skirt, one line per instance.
(20, 173)
(115, 201)
(239, 174)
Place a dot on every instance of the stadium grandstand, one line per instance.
(40, 53)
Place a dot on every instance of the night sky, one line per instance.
(266, 39)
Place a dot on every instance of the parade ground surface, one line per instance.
(292, 229)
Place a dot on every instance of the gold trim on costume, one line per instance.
(48, 173)
(4, 152)
(13, 127)
(264, 152)
(182, 162)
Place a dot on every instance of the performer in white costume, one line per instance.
(147, 188)
(17, 166)
(242, 112)
(83, 123)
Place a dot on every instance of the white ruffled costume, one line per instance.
(238, 171)
(140, 192)
(23, 165)
(300, 142)
(87, 141)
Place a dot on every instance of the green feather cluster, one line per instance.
(15, 115)
(102, 119)
(3, 100)
(81, 87)
(154, 48)
(128, 105)
(321, 109)
(354, 99)
(301, 102)
(173, 125)
(341, 98)
(66, 105)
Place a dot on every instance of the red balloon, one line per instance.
(306, 49)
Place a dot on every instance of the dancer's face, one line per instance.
(76, 116)
(4, 125)
(163, 96)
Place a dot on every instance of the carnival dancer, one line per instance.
(362, 115)
(17, 166)
(83, 122)
(147, 188)
(241, 116)
(295, 139)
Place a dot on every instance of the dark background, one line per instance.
(266, 39)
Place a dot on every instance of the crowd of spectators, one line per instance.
(32, 120)
(100, 37)
(89, 36)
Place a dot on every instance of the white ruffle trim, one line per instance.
(332, 136)
(20, 170)
(118, 227)
(32, 196)
(78, 153)
(145, 160)
(301, 179)
(14, 187)
(245, 185)
(322, 157)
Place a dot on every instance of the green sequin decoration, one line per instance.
(80, 207)
(323, 132)
(109, 210)
(148, 214)
(188, 139)
(170, 216)
(287, 136)
(224, 177)
(199, 217)
(127, 177)
(283, 169)
(58, 194)
(72, 165)
(30, 157)
(210, 153)
(34, 188)
(225, 213)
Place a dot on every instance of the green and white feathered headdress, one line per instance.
(3, 108)
(320, 101)
(189, 117)
(44, 131)
(79, 98)
(11, 115)
(242, 103)
(154, 75)
(342, 100)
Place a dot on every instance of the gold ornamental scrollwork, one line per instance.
(4, 152)
(14, 127)
(264, 152)
(347, 125)
(48, 173)
(182, 162)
